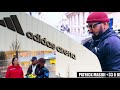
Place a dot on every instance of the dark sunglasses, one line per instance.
(93, 25)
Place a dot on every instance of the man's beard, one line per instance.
(98, 35)
(33, 64)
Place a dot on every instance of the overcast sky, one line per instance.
(52, 18)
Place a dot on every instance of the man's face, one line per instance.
(95, 28)
(34, 62)
(41, 63)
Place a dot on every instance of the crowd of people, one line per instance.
(35, 70)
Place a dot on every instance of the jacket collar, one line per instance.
(107, 33)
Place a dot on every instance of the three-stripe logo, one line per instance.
(12, 23)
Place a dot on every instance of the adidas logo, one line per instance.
(12, 23)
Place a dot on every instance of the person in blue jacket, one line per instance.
(41, 71)
(105, 43)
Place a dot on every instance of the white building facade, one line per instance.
(116, 19)
(77, 22)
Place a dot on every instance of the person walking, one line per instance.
(41, 71)
(14, 70)
(32, 67)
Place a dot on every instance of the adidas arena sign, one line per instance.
(13, 24)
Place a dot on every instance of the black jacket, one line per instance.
(29, 71)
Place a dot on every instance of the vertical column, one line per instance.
(72, 23)
(118, 14)
(69, 21)
(78, 19)
(81, 22)
(76, 22)
(115, 21)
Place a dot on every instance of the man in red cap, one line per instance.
(105, 42)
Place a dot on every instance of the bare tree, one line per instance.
(15, 47)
